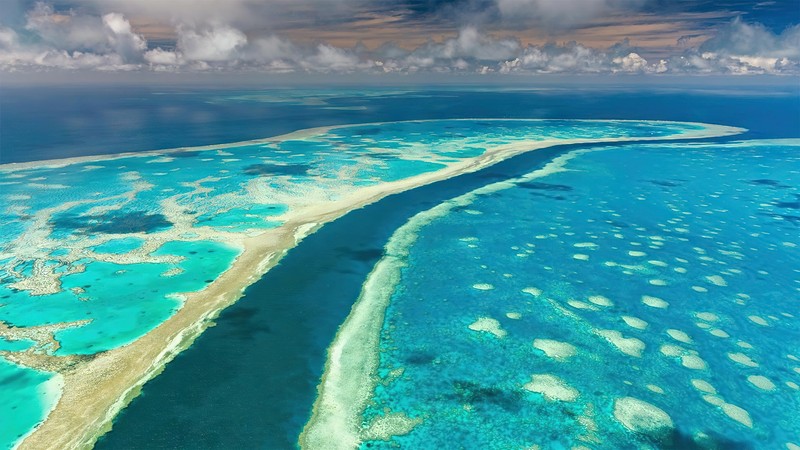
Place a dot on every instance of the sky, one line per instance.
(652, 37)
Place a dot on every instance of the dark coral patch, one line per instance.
(767, 182)
(544, 186)
(276, 169)
(112, 223)
(187, 154)
(475, 394)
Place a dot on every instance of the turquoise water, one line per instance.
(25, 401)
(644, 297)
(100, 252)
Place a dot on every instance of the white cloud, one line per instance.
(576, 58)
(121, 37)
(270, 48)
(71, 41)
(472, 44)
(743, 48)
(67, 31)
(631, 62)
(160, 57)
(562, 13)
(462, 52)
(8, 38)
(741, 38)
(740, 47)
(329, 58)
(210, 44)
(81, 41)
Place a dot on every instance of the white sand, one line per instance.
(488, 325)
(552, 388)
(557, 350)
(761, 382)
(716, 280)
(679, 336)
(703, 386)
(688, 358)
(533, 291)
(742, 359)
(654, 302)
(642, 417)
(629, 346)
(672, 350)
(719, 333)
(577, 304)
(714, 399)
(738, 414)
(758, 320)
(635, 322)
(707, 316)
(694, 362)
(599, 300)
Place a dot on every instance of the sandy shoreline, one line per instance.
(97, 388)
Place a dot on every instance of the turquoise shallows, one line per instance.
(27, 398)
(102, 251)
(533, 311)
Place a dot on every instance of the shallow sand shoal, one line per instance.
(96, 388)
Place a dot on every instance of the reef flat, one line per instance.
(592, 306)
(112, 265)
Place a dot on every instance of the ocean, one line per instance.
(480, 285)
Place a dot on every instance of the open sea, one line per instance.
(610, 295)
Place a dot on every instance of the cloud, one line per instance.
(468, 45)
(195, 12)
(71, 41)
(8, 38)
(573, 57)
(556, 14)
(80, 40)
(216, 43)
(67, 31)
(743, 48)
(122, 39)
(245, 15)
